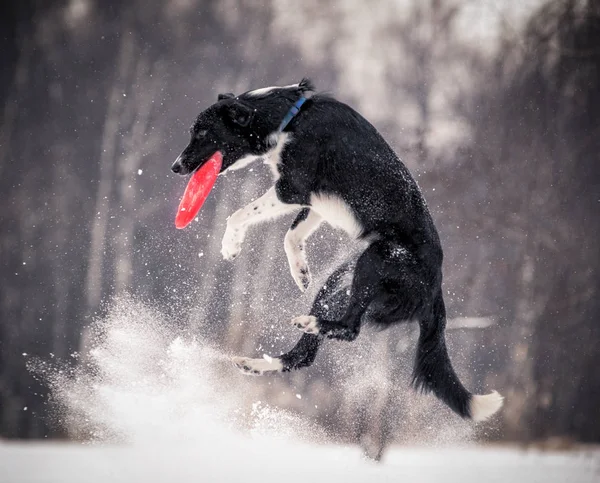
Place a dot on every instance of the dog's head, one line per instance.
(238, 126)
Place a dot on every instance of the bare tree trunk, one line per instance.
(11, 106)
(520, 371)
(107, 156)
(128, 167)
(60, 283)
(521, 397)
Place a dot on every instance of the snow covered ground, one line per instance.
(247, 460)
(159, 405)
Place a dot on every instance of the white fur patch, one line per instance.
(242, 162)
(294, 250)
(257, 367)
(482, 407)
(294, 245)
(306, 323)
(273, 156)
(336, 212)
(265, 90)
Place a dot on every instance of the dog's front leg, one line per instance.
(267, 207)
(305, 223)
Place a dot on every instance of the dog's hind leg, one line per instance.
(331, 301)
(257, 367)
(302, 355)
(370, 269)
(303, 226)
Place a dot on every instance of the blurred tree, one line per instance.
(535, 143)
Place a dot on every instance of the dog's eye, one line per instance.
(201, 133)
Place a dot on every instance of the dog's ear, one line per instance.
(227, 95)
(240, 113)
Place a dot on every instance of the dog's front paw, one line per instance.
(297, 262)
(306, 323)
(230, 251)
(257, 367)
(301, 275)
(232, 243)
(303, 278)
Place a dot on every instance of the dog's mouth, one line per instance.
(198, 188)
(210, 159)
(182, 168)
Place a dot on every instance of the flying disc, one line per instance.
(197, 190)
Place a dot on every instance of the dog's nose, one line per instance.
(176, 168)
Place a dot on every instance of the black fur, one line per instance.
(333, 150)
(300, 218)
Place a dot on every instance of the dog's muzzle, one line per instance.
(177, 165)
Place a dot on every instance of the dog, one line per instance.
(331, 165)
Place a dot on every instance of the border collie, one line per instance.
(330, 164)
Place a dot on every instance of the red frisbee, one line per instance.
(197, 190)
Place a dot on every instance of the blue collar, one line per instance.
(295, 109)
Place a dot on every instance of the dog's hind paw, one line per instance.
(257, 367)
(306, 323)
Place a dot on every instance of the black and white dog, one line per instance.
(330, 164)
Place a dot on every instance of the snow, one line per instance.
(246, 460)
(157, 404)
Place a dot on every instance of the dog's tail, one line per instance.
(433, 371)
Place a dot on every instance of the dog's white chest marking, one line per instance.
(336, 212)
(243, 162)
(273, 156)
